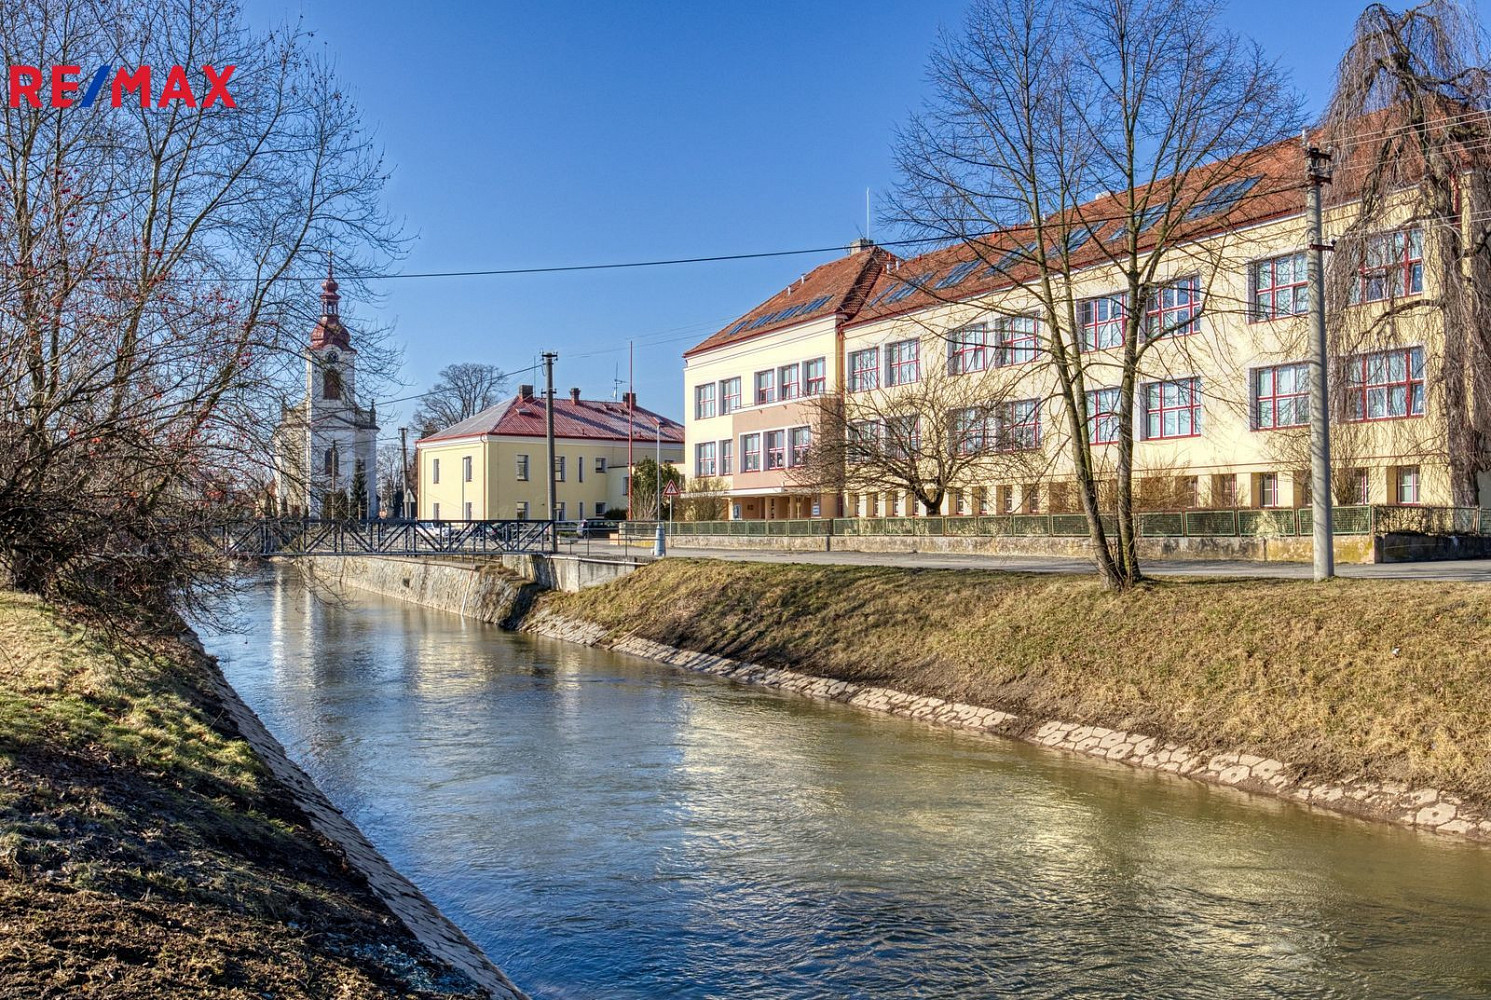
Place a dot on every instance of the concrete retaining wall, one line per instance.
(1396, 546)
(498, 590)
(1349, 548)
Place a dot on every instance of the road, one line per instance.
(1461, 570)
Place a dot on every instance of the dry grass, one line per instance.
(145, 851)
(1390, 680)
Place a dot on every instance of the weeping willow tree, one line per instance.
(1410, 136)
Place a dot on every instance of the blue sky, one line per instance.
(526, 134)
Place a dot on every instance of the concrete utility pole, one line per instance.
(549, 357)
(403, 472)
(1320, 441)
(660, 546)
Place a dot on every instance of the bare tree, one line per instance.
(705, 498)
(462, 390)
(943, 431)
(1039, 108)
(155, 261)
(394, 479)
(1408, 126)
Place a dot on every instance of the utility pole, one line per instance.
(1320, 441)
(404, 472)
(549, 357)
(660, 545)
(631, 419)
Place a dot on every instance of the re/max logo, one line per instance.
(26, 85)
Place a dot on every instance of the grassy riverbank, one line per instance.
(145, 851)
(1386, 680)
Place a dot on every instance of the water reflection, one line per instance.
(610, 828)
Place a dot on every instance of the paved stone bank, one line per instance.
(1422, 808)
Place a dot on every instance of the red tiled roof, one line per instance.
(836, 287)
(1278, 191)
(523, 416)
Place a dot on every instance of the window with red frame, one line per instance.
(864, 369)
(1102, 321)
(776, 449)
(766, 387)
(1102, 416)
(967, 350)
(1384, 385)
(799, 439)
(815, 381)
(967, 431)
(902, 362)
(730, 395)
(1019, 425)
(1281, 397)
(1174, 310)
(790, 381)
(1392, 267)
(750, 453)
(1172, 409)
(1279, 287)
(1015, 336)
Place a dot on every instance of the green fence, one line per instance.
(1242, 523)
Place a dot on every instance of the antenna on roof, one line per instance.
(867, 214)
(616, 383)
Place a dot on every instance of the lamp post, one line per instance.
(1320, 447)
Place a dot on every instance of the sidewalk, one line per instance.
(1463, 570)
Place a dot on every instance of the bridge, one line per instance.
(305, 537)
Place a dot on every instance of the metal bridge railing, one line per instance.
(307, 537)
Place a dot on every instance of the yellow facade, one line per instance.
(505, 479)
(1232, 459)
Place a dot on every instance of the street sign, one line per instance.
(671, 490)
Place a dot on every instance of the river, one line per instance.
(605, 827)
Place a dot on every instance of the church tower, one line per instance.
(324, 442)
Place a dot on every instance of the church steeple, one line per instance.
(329, 331)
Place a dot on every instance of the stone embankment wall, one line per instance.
(1349, 548)
(425, 921)
(1421, 808)
(497, 589)
(488, 592)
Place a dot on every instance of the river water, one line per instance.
(609, 828)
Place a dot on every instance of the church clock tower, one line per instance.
(322, 443)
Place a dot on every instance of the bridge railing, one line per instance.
(310, 537)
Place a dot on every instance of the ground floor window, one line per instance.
(522, 512)
(1266, 489)
(435, 511)
(1406, 484)
(1030, 496)
(1358, 486)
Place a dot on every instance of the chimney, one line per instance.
(574, 395)
(860, 246)
(629, 399)
(525, 392)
